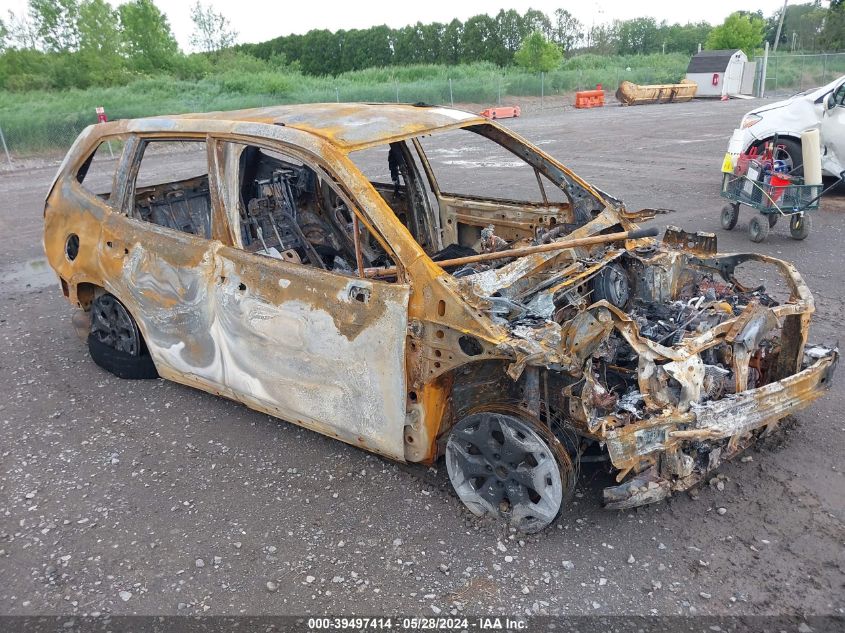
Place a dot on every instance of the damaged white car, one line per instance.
(820, 108)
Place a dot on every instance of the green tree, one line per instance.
(602, 39)
(479, 39)
(534, 20)
(538, 54)
(737, 31)
(567, 30)
(363, 48)
(99, 43)
(56, 24)
(507, 38)
(212, 30)
(406, 44)
(451, 49)
(321, 53)
(431, 39)
(146, 35)
(802, 23)
(639, 36)
(685, 38)
(21, 31)
(4, 35)
(833, 34)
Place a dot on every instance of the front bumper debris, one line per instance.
(724, 424)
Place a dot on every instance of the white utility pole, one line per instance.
(780, 26)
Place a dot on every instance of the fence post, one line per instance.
(824, 70)
(801, 79)
(337, 93)
(499, 91)
(6, 148)
(776, 73)
(397, 93)
(542, 88)
(451, 99)
(765, 70)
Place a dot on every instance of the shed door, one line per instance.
(732, 82)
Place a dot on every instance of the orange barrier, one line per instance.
(501, 112)
(589, 99)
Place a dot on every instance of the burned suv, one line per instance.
(357, 270)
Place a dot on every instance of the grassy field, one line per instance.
(38, 120)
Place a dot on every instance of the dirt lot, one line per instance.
(149, 497)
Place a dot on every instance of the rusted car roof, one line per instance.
(349, 125)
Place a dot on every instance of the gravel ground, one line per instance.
(152, 498)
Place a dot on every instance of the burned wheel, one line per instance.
(504, 466)
(112, 326)
(730, 214)
(115, 343)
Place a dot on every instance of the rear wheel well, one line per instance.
(86, 293)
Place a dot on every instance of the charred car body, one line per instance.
(510, 336)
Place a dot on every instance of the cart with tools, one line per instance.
(774, 197)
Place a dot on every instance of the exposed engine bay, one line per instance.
(627, 347)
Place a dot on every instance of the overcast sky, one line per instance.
(258, 20)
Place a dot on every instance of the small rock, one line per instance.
(596, 605)
(508, 559)
(444, 568)
(310, 579)
(436, 609)
(200, 563)
(526, 590)
(568, 565)
(656, 584)
(720, 485)
(237, 544)
(125, 595)
(218, 560)
(631, 559)
(271, 586)
(30, 495)
(804, 628)
(337, 579)
(745, 459)
(722, 510)
(501, 547)
(705, 595)
(602, 582)
(397, 542)
(271, 549)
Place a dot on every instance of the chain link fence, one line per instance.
(789, 73)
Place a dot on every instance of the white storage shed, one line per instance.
(719, 73)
